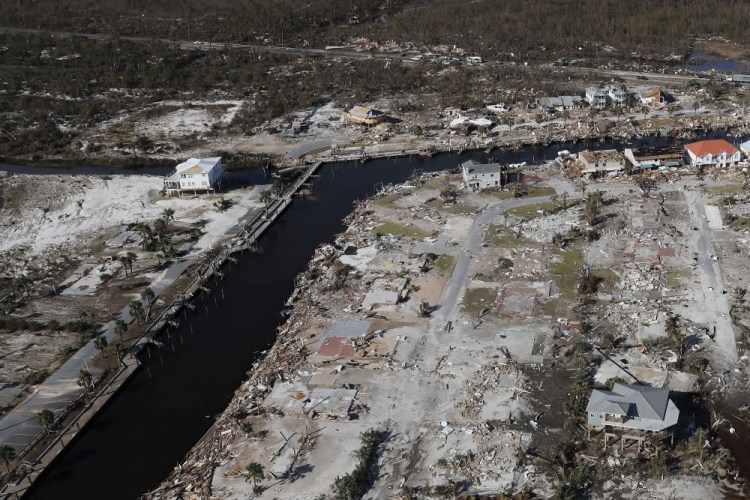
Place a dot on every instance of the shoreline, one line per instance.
(242, 240)
(422, 147)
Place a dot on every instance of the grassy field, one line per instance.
(445, 263)
(387, 200)
(540, 191)
(675, 276)
(532, 211)
(724, 190)
(390, 227)
(456, 208)
(477, 299)
(499, 236)
(609, 279)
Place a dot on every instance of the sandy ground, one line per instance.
(53, 226)
(460, 392)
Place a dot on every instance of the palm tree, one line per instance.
(160, 228)
(148, 296)
(168, 214)
(46, 419)
(254, 472)
(136, 310)
(266, 197)
(120, 327)
(131, 258)
(7, 455)
(101, 343)
(119, 346)
(21, 286)
(105, 278)
(85, 379)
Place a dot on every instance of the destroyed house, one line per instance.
(608, 161)
(478, 176)
(195, 175)
(654, 157)
(632, 406)
(650, 95)
(364, 116)
(561, 103)
(716, 152)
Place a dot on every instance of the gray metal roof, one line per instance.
(473, 166)
(630, 400)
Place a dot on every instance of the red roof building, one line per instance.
(712, 152)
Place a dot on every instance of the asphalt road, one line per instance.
(716, 305)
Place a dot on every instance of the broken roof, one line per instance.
(713, 147)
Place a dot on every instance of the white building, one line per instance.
(478, 176)
(716, 152)
(617, 96)
(596, 97)
(599, 98)
(195, 174)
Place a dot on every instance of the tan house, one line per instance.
(364, 116)
(651, 95)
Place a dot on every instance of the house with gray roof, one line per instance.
(478, 176)
(632, 407)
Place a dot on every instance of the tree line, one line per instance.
(489, 27)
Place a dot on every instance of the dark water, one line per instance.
(702, 61)
(167, 406)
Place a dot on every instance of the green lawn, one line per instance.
(540, 191)
(444, 264)
(531, 211)
(674, 277)
(456, 208)
(729, 189)
(390, 227)
(499, 236)
(387, 200)
(571, 263)
(609, 279)
(477, 299)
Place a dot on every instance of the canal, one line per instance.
(148, 428)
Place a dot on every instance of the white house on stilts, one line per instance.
(195, 175)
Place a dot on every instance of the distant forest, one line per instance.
(492, 28)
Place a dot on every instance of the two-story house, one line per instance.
(716, 152)
(195, 174)
(478, 176)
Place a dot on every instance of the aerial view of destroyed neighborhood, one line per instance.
(374, 249)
